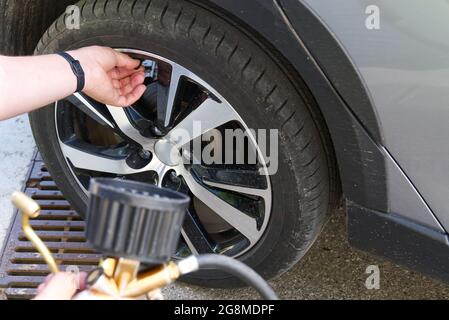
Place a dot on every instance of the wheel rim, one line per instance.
(231, 204)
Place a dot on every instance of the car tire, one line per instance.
(254, 82)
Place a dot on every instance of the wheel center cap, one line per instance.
(167, 153)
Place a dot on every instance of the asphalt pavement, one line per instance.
(333, 270)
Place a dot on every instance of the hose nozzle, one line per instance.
(26, 205)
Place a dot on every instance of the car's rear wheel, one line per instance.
(200, 69)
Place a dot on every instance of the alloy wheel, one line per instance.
(231, 203)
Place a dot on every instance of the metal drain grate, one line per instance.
(22, 268)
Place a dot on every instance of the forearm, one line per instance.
(28, 83)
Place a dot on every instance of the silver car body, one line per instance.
(404, 63)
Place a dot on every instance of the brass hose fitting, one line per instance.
(31, 209)
(152, 280)
(159, 277)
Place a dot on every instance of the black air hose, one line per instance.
(239, 270)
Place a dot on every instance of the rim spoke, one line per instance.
(93, 109)
(209, 115)
(188, 242)
(82, 159)
(236, 218)
(249, 182)
(167, 94)
(124, 124)
(264, 193)
(160, 168)
(195, 236)
(112, 117)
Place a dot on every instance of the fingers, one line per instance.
(119, 82)
(61, 286)
(128, 84)
(42, 286)
(116, 84)
(135, 95)
(121, 73)
(129, 89)
(125, 61)
(82, 281)
(125, 100)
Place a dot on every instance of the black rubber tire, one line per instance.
(240, 69)
(24, 21)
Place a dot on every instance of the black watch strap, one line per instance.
(77, 70)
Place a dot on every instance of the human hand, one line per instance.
(61, 286)
(112, 77)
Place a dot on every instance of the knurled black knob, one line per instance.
(134, 220)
